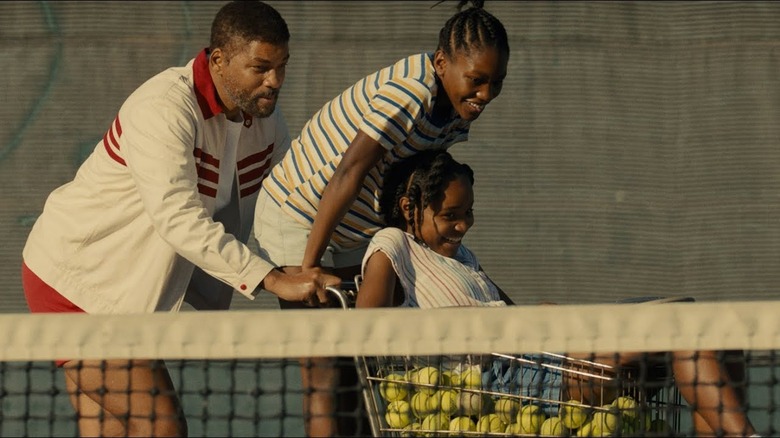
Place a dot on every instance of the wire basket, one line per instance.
(541, 394)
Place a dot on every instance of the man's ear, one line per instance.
(217, 59)
(406, 206)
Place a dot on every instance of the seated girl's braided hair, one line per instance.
(472, 28)
(422, 178)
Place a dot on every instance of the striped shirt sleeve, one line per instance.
(394, 109)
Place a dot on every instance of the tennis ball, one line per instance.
(572, 414)
(393, 388)
(471, 377)
(552, 426)
(606, 421)
(434, 402)
(445, 378)
(411, 430)
(507, 409)
(530, 419)
(490, 423)
(398, 414)
(454, 378)
(426, 376)
(459, 424)
(420, 404)
(474, 403)
(435, 422)
(592, 429)
(627, 406)
(513, 429)
(448, 401)
(588, 429)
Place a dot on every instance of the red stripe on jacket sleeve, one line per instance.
(110, 150)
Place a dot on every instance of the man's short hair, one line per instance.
(244, 21)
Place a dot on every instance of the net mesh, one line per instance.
(238, 374)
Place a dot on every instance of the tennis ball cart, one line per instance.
(498, 394)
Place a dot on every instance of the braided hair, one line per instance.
(474, 28)
(422, 178)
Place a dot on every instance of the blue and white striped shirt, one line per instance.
(393, 106)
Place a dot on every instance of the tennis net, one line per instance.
(236, 372)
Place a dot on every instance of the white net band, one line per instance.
(752, 325)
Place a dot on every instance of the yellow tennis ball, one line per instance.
(627, 406)
(606, 421)
(454, 378)
(427, 378)
(445, 378)
(513, 429)
(448, 401)
(530, 419)
(460, 424)
(552, 427)
(490, 423)
(435, 422)
(471, 377)
(411, 430)
(398, 414)
(420, 404)
(434, 402)
(572, 414)
(507, 409)
(393, 388)
(588, 429)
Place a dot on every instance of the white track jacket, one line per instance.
(125, 235)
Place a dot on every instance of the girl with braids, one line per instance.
(420, 261)
(322, 198)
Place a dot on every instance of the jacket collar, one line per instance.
(206, 91)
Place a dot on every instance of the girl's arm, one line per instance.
(339, 194)
(379, 280)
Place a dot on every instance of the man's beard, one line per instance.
(249, 104)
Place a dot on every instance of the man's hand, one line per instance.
(307, 286)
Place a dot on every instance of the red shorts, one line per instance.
(42, 298)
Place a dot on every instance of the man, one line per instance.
(163, 208)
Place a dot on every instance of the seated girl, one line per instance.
(420, 261)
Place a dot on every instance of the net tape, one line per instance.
(749, 325)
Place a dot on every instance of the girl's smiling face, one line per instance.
(471, 80)
(442, 225)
